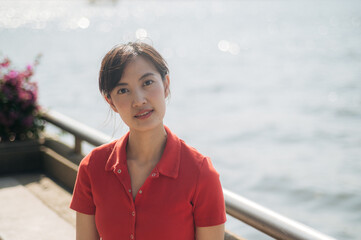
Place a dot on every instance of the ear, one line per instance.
(110, 102)
(166, 86)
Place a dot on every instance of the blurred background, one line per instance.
(270, 90)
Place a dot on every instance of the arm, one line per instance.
(85, 227)
(210, 233)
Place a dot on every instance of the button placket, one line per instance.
(132, 220)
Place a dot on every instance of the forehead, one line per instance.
(137, 67)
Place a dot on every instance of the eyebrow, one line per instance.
(144, 76)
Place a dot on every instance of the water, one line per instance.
(271, 90)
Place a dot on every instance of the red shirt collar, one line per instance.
(168, 165)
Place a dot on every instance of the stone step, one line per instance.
(25, 216)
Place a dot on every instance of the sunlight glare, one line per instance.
(223, 45)
(83, 23)
(141, 33)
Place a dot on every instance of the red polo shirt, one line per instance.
(183, 191)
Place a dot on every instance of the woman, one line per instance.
(148, 184)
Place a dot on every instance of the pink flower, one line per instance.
(19, 108)
(23, 95)
(29, 68)
(28, 121)
(14, 78)
(11, 75)
(15, 82)
(33, 87)
(27, 98)
(5, 63)
(28, 72)
(8, 92)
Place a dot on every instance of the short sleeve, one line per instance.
(208, 202)
(82, 200)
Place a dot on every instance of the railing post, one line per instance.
(77, 146)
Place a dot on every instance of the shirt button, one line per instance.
(140, 191)
(133, 213)
(119, 171)
(131, 236)
(130, 190)
(153, 174)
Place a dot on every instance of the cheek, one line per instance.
(159, 97)
(122, 108)
(158, 92)
(120, 104)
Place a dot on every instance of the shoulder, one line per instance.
(192, 158)
(99, 155)
(190, 153)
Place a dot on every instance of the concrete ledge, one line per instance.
(26, 217)
(59, 167)
(50, 193)
(63, 149)
(20, 156)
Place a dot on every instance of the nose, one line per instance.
(139, 99)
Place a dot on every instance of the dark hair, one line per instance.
(115, 61)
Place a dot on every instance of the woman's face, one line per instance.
(139, 96)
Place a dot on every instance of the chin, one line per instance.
(145, 127)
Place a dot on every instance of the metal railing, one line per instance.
(255, 215)
(267, 221)
(80, 131)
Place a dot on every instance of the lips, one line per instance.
(144, 113)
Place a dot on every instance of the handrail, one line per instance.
(267, 221)
(259, 217)
(80, 131)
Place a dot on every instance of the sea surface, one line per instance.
(270, 90)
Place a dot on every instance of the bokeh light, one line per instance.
(141, 33)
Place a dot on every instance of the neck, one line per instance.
(146, 147)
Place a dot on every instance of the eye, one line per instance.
(148, 82)
(122, 91)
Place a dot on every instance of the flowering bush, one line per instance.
(19, 112)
